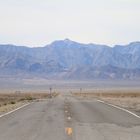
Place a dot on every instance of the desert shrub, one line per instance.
(5, 104)
(29, 98)
(12, 102)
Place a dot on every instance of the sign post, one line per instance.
(50, 92)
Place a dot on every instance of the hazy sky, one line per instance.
(39, 22)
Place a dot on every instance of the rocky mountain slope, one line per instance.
(66, 59)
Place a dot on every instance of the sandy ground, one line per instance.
(10, 107)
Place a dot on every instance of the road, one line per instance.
(69, 118)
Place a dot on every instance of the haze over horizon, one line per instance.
(37, 23)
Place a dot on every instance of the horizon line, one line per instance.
(66, 39)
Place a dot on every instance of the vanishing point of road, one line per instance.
(69, 118)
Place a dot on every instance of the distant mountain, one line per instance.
(66, 59)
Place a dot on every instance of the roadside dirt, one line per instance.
(11, 101)
(10, 107)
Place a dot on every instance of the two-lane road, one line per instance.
(68, 118)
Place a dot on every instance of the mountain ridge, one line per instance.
(66, 59)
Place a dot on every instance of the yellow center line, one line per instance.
(68, 131)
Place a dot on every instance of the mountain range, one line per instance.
(66, 59)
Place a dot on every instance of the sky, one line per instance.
(39, 22)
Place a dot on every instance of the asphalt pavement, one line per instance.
(69, 118)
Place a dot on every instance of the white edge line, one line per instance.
(14, 110)
(119, 108)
